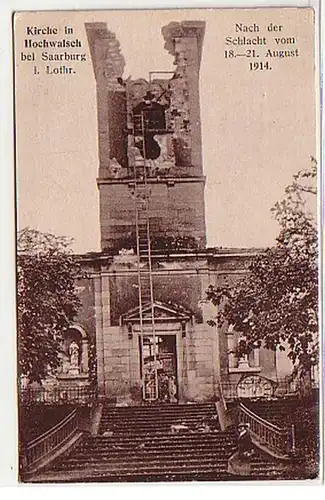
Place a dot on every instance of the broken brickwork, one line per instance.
(175, 170)
(182, 267)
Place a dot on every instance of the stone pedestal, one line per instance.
(243, 363)
(73, 371)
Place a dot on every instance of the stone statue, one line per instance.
(74, 356)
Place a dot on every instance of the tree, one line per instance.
(47, 301)
(276, 303)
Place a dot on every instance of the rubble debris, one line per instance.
(179, 428)
(108, 434)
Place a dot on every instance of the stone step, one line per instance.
(165, 408)
(86, 476)
(153, 426)
(146, 462)
(169, 446)
(152, 469)
(139, 471)
(158, 406)
(177, 436)
(144, 434)
(154, 413)
(159, 452)
(143, 448)
(164, 438)
(159, 422)
(148, 447)
(157, 418)
(160, 456)
(162, 462)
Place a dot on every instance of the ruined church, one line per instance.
(143, 320)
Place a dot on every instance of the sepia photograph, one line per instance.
(167, 179)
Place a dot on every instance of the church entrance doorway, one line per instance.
(158, 355)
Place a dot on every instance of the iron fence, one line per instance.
(56, 395)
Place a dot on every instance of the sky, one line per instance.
(258, 127)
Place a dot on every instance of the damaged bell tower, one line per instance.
(156, 121)
(152, 339)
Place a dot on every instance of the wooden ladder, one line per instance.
(144, 266)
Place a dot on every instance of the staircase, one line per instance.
(304, 417)
(136, 444)
(152, 419)
(279, 412)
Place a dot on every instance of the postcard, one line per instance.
(167, 245)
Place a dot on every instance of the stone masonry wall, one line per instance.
(174, 211)
(176, 280)
(196, 361)
(177, 183)
(202, 353)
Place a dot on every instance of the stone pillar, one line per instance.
(84, 356)
(180, 365)
(106, 323)
(99, 335)
(185, 341)
(134, 355)
(191, 52)
(184, 40)
(209, 311)
(232, 360)
(108, 64)
(256, 354)
(106, 306)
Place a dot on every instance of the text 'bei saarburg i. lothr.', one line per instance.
(57, 51)
(52, 50)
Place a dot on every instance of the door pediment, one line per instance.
(162, 312)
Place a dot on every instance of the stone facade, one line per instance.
(180, 281)
(196, 354)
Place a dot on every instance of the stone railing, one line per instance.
(278, 442)
(281, 388)
(45, 446)
(57, 395)
(229, 391)
(288, 386)
(222, 410)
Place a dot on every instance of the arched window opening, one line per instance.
(75, 352)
